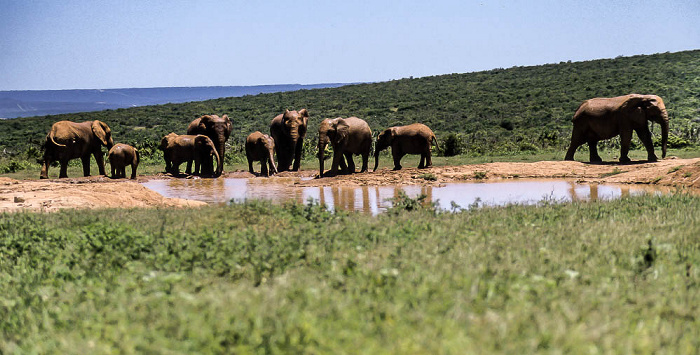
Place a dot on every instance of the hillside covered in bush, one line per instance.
(496, 111)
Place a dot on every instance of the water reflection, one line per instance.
(375, 199)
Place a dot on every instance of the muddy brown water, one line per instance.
(375, 199)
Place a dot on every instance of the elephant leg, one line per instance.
(113, 169)
(99, 158)
(576, 141)
(351, 163)
(297, 155)
(397, 155)
(625, 141)
(593, 152)
(45, 169)
(188, 170)
(250, 165)
(86, 165)
(421, 164)
(133, 171)
(428, 157)
(365, 162)
(645, 136)
(263, 168)
(64, 169)
(337, 161)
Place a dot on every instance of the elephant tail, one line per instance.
(138, 157)
(437, 146)
(50, 138)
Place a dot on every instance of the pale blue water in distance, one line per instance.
(375, 199)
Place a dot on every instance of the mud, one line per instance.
(102, 192)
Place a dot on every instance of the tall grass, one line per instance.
(618, 277)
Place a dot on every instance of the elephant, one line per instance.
(178, 149)
(415, 138)
(347, 136)
(260, 147)
(120, 156)
(218, 129)
(70, 140)
(603, 118)
(288, 130)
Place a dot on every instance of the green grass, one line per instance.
(614, 277)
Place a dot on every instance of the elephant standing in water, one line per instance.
(288, 130)
(260, 147)
(120, 156)
(178, 149)
(412, 139)
(347, 136)
(604, 118)
(69, 140)
(218, 129)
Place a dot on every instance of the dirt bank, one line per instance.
(99, 192)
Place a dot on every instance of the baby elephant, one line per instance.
(415, 138)
(121, 155)
(259, 147)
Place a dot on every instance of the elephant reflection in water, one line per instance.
(594, 194)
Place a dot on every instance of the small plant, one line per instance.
(479, 175)
(428, 177)
(687, 174)
(674, 169)
(614, 171)
(404, 203)
(657, 179)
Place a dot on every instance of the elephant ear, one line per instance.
(229, 125)
(204, 122)
(342, 130)
(101, 131)
(393, 131)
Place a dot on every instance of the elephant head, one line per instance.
(218, 129)
(295, 124)
(204, 149)
(649, 108)
(384, 140)
(269, 144)
(334, 131)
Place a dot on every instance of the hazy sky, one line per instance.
(66, 44)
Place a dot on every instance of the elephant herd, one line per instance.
(596, 119)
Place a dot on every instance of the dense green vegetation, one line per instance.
(258, 278)
(500, 111)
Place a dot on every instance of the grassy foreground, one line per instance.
(618, 277)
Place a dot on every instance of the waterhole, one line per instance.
(375, 199)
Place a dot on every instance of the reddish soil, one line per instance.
(102, 192)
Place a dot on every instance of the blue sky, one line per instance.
(50, 44)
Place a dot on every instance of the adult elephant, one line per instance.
(260, 147)
(70, 140)
(121, 156)
(347, 136)
(288, 130)
(218, 129)
(412, 139)
(178, 149)
(603, 118)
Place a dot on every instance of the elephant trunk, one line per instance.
(271, 158)
(219, 163)
(321, 159)
(376, 160)
(220, 150)
(664, 137)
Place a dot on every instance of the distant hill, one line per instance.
(499, 111)
(27, 103)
